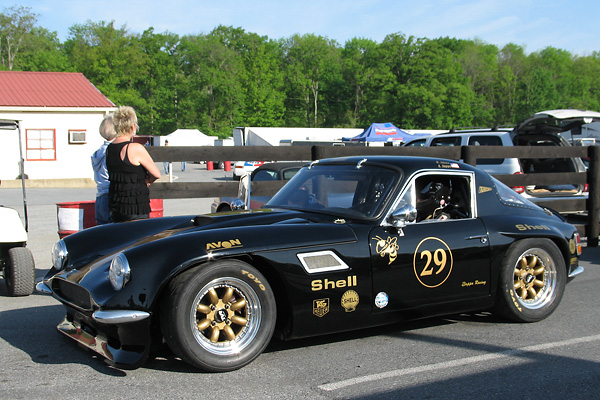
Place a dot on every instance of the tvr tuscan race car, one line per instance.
(347, 243)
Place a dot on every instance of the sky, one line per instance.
(533, 24)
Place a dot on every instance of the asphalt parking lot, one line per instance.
(466, 356)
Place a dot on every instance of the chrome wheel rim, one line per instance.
(534, 278)
(225, 316)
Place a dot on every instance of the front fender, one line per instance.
(153, 265)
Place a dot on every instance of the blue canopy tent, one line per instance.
(384, 132)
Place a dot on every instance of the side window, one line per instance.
(486, 141)
(442, 197)
(416, 143)
(446, 141)
(288, 173)
(264, 175)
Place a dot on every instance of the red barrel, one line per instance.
(74, 216)
(227, 166)
(209, 166)
(156, 208)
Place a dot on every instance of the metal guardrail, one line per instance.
(467, 153)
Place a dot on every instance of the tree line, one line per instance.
(230, 77)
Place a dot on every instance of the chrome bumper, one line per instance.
(41, 287)
(576, 271)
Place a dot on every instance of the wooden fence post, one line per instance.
(468, 155)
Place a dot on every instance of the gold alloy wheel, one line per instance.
(534, 278)
(225, 316)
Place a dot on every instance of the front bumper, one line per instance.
(122, 337)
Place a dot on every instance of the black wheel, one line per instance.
(532, 280)
(219, 316)
(19, 272)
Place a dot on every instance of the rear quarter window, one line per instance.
(486, 141)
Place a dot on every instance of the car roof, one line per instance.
(408, 164)
(278, 166)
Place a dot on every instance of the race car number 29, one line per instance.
(432, 262)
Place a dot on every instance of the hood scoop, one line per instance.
(202, 220)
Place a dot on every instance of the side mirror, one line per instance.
(403, 215)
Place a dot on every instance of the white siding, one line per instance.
(72, 160)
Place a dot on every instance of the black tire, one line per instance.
(203, 324)
(532, 280)
(19, 272)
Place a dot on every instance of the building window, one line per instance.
(77, 136)
(41, 144)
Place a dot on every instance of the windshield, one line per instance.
(346, 190)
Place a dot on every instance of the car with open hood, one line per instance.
(546, 128)
(347, 243)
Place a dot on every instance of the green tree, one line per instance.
(311, 62)
(159, 87)
(213, 95)
(586, 82)
(15, 24)
(479, 64)
(512, 67)
(259, 75)
(112, 59)
(429, 90)
(42, 51)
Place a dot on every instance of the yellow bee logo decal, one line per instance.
(388, 247)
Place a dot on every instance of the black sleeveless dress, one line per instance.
(129, 197)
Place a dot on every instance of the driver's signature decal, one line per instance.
(387, 247)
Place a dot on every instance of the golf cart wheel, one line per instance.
(19, 273)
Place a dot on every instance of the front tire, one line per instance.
(532, 280)
(219, 316)
(19, 272)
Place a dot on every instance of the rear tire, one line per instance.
(219, 316)
(532, 280)
(19, 272)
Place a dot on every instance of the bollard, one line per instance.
(227, 166)
(209, 165)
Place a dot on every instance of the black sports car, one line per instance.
(347, 243)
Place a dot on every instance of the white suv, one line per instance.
(541, 129)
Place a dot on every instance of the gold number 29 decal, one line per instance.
(432, 262)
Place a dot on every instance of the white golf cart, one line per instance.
(16, 260)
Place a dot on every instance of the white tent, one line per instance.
(270, 136)
(188, 137)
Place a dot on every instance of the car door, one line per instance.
(435, 259)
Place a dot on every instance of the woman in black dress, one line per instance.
(131, 170)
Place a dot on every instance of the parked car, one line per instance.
(241, 168)
(347, 243)
(280, 171)
(541, 129)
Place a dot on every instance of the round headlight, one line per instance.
(59, 255)
(119, 271)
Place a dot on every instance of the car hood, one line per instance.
(222, 233)
(556, 121)
(160, 248)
